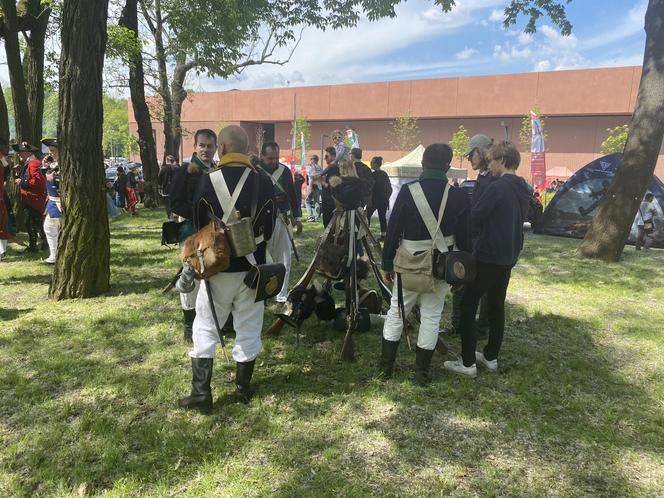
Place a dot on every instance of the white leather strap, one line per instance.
(433, 225)
(276, 174)
(224, 196)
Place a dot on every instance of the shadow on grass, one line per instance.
(92, 401)
(11, 314)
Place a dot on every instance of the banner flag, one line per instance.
(538, 156)
(304, 150)
(354, 138)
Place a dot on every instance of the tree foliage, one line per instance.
(302, 127)
(404, 133)
(526, 131)
(117, 141)
(616, 140)
(459, 144)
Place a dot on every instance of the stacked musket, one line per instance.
(335, 259)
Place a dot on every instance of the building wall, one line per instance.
(581, 105)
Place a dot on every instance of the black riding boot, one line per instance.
(422, 366)
(243, 372)
(387, 356)
(189, 316)
(201, 393)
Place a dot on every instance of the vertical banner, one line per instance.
(353, 138)
(294, 140)
(537, 156)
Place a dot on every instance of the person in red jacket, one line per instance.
(33, 193)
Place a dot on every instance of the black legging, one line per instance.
(382, 216)
(492, 280)
(34, 224)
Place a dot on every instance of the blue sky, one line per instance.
(422, 42)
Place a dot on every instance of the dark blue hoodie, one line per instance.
(498, 215)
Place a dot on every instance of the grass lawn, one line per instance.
(88, 392)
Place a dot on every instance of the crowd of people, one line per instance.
(257, 202)
(38, 182)
(429, 212)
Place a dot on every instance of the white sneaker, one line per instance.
(50, 261)
(458, 367)
(490, 365)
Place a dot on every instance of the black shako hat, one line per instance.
(24, 147)
(50, 142)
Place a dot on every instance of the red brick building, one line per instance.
(580, 106)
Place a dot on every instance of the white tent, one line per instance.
(410, 166)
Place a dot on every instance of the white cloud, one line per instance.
(466, 54)
(497, 16)
(351, 54)
(543, 65)
(631, 24)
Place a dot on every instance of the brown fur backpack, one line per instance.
(207, 251)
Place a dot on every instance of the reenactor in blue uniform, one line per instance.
(289, 211)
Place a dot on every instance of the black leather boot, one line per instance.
(189, 316)
(387, 356)
(243, 372)
(201, 393)
(422, 366)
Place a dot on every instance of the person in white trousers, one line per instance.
(226, 292)
(423, 208)
(289, 209)
(53, 207)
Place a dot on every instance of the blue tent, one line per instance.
(571, 211)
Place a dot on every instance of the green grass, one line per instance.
(88, 392)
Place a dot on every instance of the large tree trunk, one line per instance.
(34, 67)
(16, 76)
(129, 20)
(82, 268)
(611, 226)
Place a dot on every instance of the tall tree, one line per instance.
(611, 225)
(33, 63)
(459, 144)
(404, 134)
(82, 268)
(16, 75)
(146, 142)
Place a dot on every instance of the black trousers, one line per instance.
(34, 224)
(492, 280)
(327, 210)
(382, 216)
(482, 321)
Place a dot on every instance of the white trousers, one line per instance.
(229, 295)
(431, 309)
(188, 301)
(3, 246)
(52, 229)
(279, 247)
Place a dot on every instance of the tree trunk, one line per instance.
(16, 76)
(4, 117)
(82, 268)
(611, 226)
(164, 91)
(129, 20)
(34, 67)
(178, 95)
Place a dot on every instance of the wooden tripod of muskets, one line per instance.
(354, 224)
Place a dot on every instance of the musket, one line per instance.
(305, 280)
